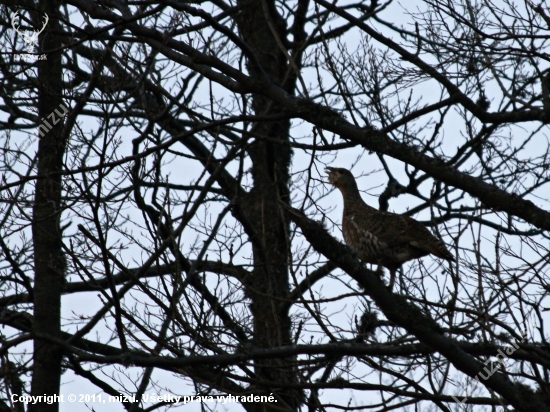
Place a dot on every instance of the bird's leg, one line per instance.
(380, 271)
(392, 279)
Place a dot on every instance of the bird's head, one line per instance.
(341, 178)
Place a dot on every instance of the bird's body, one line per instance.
(382, 238)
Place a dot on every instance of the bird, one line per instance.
(382, 238)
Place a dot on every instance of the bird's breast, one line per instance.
(363, 242)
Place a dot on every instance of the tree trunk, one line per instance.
(49, 260)
(270, 171)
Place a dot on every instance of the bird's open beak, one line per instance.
(331, 175)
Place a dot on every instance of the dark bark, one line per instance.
(261, 28)
(49, 260)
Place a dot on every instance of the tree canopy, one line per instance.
(167, 227)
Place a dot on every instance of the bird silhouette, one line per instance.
(382, 238)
